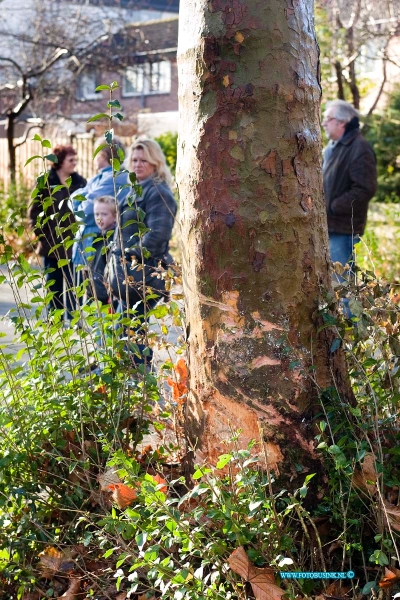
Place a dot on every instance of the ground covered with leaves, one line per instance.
(99, 498)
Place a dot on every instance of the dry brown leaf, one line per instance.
(145, 597)
(337, 589)
(391, 577)
(179, 384)
(366, 478)
(392, 513)
(52, 561)
(73, 590)
(334, 546)
(121, 596)
(107, 478)
(122, 494)
(262, 580)
(392, 495)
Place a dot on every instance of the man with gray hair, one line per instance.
(350, 180)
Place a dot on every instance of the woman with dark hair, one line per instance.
(105, 183)
(52, 224)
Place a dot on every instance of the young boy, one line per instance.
(105, 215)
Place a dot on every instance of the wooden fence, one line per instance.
(84, 145)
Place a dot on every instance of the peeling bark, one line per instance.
(255, 257)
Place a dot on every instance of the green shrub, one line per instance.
(383, 132)
(97, 493)
(13, 213)
(168, 142)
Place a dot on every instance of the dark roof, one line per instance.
(162, 5)
(152, 36)
(138, 42)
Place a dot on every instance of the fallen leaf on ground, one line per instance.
(73, 590)
(52, 561)
(122, 494)
(334, 546)
(391, 576)
(338, 589)
(160, 481)
(107, 478)
(262, 580)
(366, 478)
(392, 514)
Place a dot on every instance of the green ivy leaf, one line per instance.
(198, 474)
(116, 165)
(51, 157)
(114, 104)
(368, 587)
(335, 345)
(223, 460)
(121, 154)
(141, 539)
(31, 159)
(98, 117)
(62, 262)
(159, 312)
(109, 135)
(46, 144)
(99, 149)
(101, 87)
(56, 188)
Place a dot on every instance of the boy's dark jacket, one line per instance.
(350, 181)
(47, 232)
(97, 268)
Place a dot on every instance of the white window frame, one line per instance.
(84, 93)
(147, 77)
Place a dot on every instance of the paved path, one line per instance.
(7, 303)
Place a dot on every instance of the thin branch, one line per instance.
(381, 87)
(56, 56)
(12, 61)
(25, 137)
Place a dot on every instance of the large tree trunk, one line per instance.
(255, 258)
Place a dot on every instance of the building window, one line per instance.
(147, 78)
(87, 85)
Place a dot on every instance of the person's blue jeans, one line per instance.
(341, 247)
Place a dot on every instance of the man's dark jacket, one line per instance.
(47, 226)
(349, 173)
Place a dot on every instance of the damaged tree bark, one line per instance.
(255, 257)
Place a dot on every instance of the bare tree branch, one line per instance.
(13, 62)
(25, 136)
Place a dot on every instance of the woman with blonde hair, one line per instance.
(144, 229)
(154, 156)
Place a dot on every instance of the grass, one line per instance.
(379, 249)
